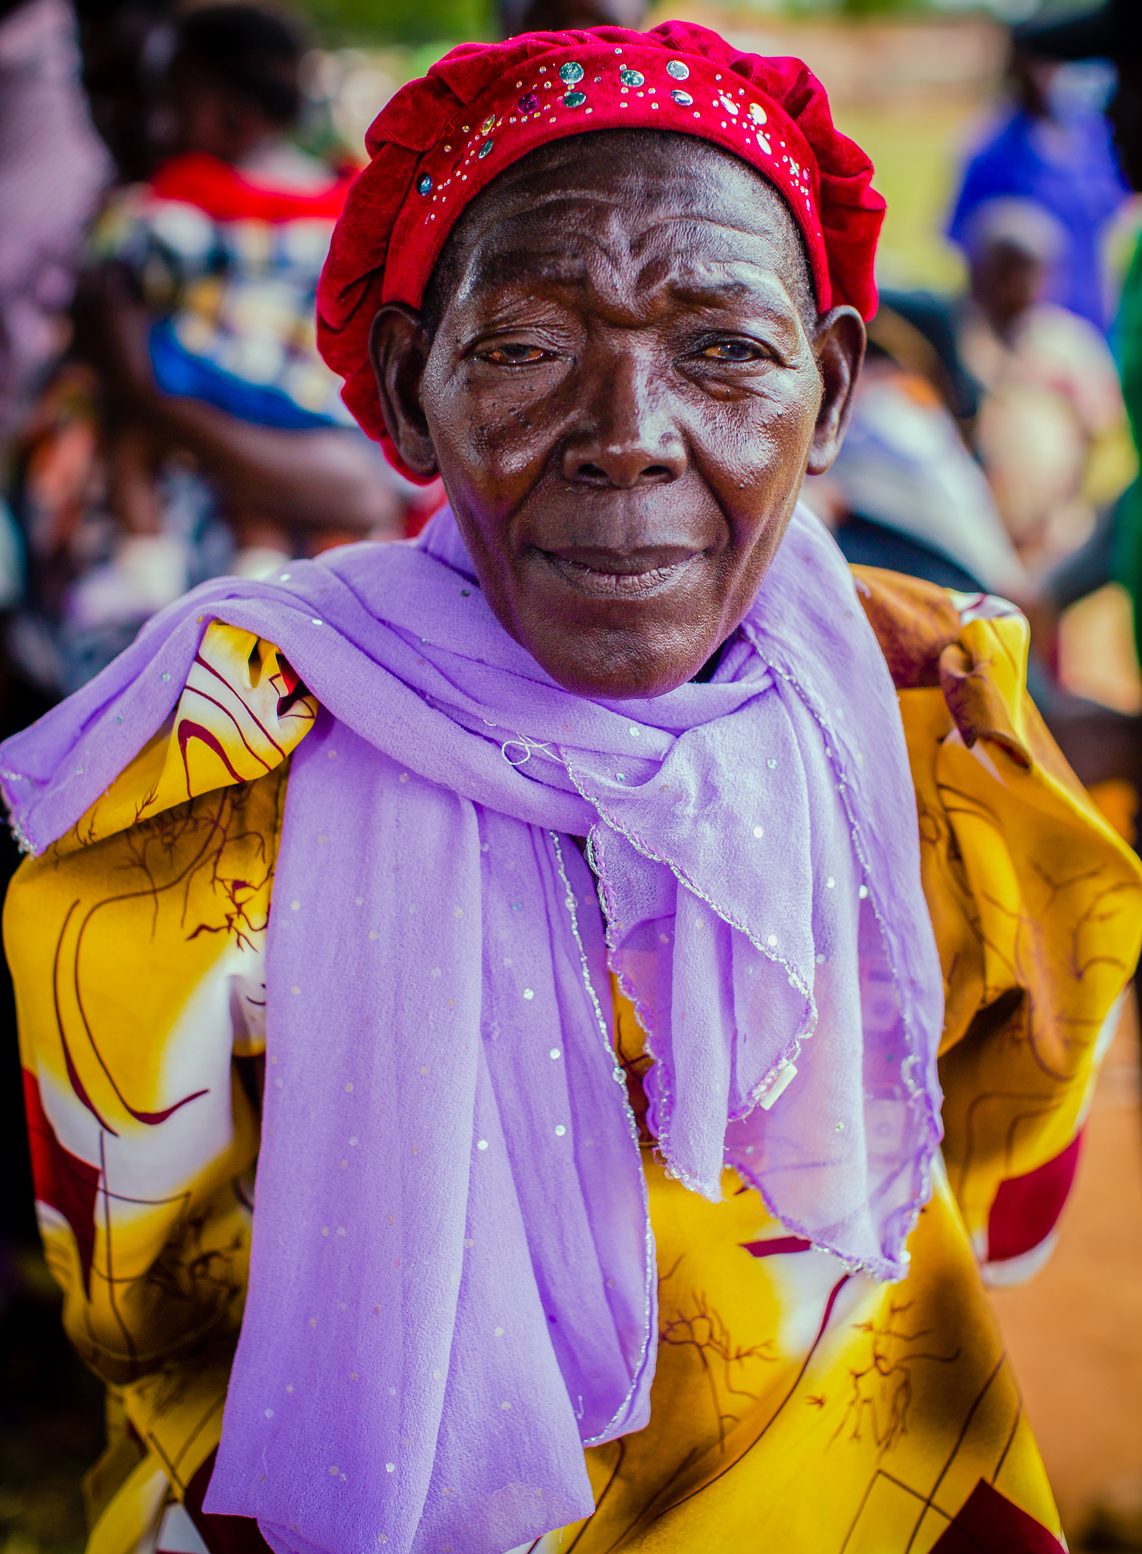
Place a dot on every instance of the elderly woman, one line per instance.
(589, 1055)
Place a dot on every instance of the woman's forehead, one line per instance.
(624, 195)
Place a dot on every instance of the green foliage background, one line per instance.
(417, 22)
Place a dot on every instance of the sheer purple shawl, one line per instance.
(452, 1286)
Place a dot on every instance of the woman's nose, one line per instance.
(627, 436)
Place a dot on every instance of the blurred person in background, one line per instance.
(1051, 429)
(905, 492)
(202, 433)
(1057, 152)
(1101, 744)
(52, 168)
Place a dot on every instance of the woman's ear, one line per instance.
(398, 350)
(839, 348)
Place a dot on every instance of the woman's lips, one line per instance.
(620, 578)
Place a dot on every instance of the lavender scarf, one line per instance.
(453, 1287)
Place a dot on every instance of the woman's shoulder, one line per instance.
(241, 713)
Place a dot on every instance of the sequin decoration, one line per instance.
(424, 184)
(677, 70)
(574, 99)
(630, 77)
(485, 148)
(683, 99)
(570, 73)
(488, 125)
(528, 103)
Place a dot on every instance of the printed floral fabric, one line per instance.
(793, 1398)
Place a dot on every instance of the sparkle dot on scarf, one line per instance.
(555, 1053)
(620, 777)
(315, 620)
(373, 934)
(118, 718)
(313, 1321)
(390, 1467)
(664, 938)
(483, 847)
(424, 1068)
(516, 905)
(349, 1087)
(392, 1390)
(863, 892)
(830, 882)
(325, 1230)
(353, 1376)
(403, 777)
(295, 991)
(772, 764)
(269, 1413)
(284, 577)
(353, 1140)
(839, 1127)
(465, 593)
(772, 939)
(436, 1375)
(749, 1149)
(457, 911)
(560, 1130)
(498, 1333)
(528, 993)
(634, 732)
(345, 1164)
(289, 1386)
(331, 755)
(295, 906)
(820, 960)
(759, 831)
(358, 901)
(483, 1144)
(505, 1405)
(166, 677)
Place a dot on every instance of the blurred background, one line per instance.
(169, 174)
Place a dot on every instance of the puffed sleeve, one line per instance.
(136, 945)
(1036, 904)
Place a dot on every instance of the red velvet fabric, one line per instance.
(443, 139)
(221, 191)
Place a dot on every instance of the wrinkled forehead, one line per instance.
(624, 197)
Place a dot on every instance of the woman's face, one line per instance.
(625, 387)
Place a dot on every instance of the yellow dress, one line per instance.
(795, 1406)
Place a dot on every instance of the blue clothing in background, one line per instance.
(179, 371)
(1069, 166)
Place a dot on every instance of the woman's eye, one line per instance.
(732, 351)
(515, 355)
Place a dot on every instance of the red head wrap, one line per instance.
(443, 139)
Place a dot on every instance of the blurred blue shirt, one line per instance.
(1069, 166)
